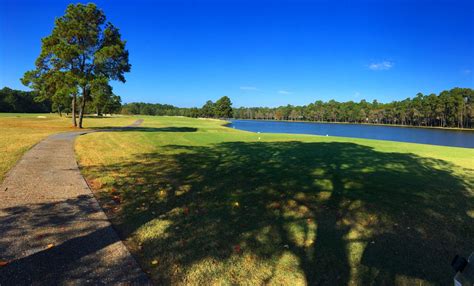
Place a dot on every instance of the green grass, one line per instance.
(200, 204)
(20, 131)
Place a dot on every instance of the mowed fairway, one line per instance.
(202, 204)
(19, 132)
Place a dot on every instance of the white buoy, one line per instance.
(327, 135)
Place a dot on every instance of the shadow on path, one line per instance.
(63, 248)
(52, 230)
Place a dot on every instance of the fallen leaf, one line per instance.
(154, 262)
(3, 263)
(51, 245)
(237, 248)
(117, 199)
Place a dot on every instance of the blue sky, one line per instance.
(267, 53)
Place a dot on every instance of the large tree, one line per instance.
(208, 109)
(82, 52)
(223, 107)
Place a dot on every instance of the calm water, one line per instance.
(414, 135)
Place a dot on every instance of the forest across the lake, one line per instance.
(450, 108)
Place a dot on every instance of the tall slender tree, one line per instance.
(84, 49)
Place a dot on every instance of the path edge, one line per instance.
(136, 123)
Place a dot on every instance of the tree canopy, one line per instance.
(208, 109)
(223, 108)
(82, 54)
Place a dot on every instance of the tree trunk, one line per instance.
(83, 105)
(59, 111)
(73, 110)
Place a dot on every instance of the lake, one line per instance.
(392, 133)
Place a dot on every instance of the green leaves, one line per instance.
(83, 53)
(223, 108)
(82, 45)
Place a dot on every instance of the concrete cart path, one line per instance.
(52, 230)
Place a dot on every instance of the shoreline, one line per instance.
(366, 124)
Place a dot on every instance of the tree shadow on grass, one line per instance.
(345, 212)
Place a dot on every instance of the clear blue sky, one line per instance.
(267, 52)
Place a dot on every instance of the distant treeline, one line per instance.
(142, 108)
(22, 101)
(222, 108)
(450, 108)
(19, 101)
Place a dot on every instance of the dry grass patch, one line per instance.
(19, 132)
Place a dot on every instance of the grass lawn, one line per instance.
(202, 204)
(19, 132)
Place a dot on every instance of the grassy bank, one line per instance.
(199, 203)
(19, 132)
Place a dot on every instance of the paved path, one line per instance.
(52, 229)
